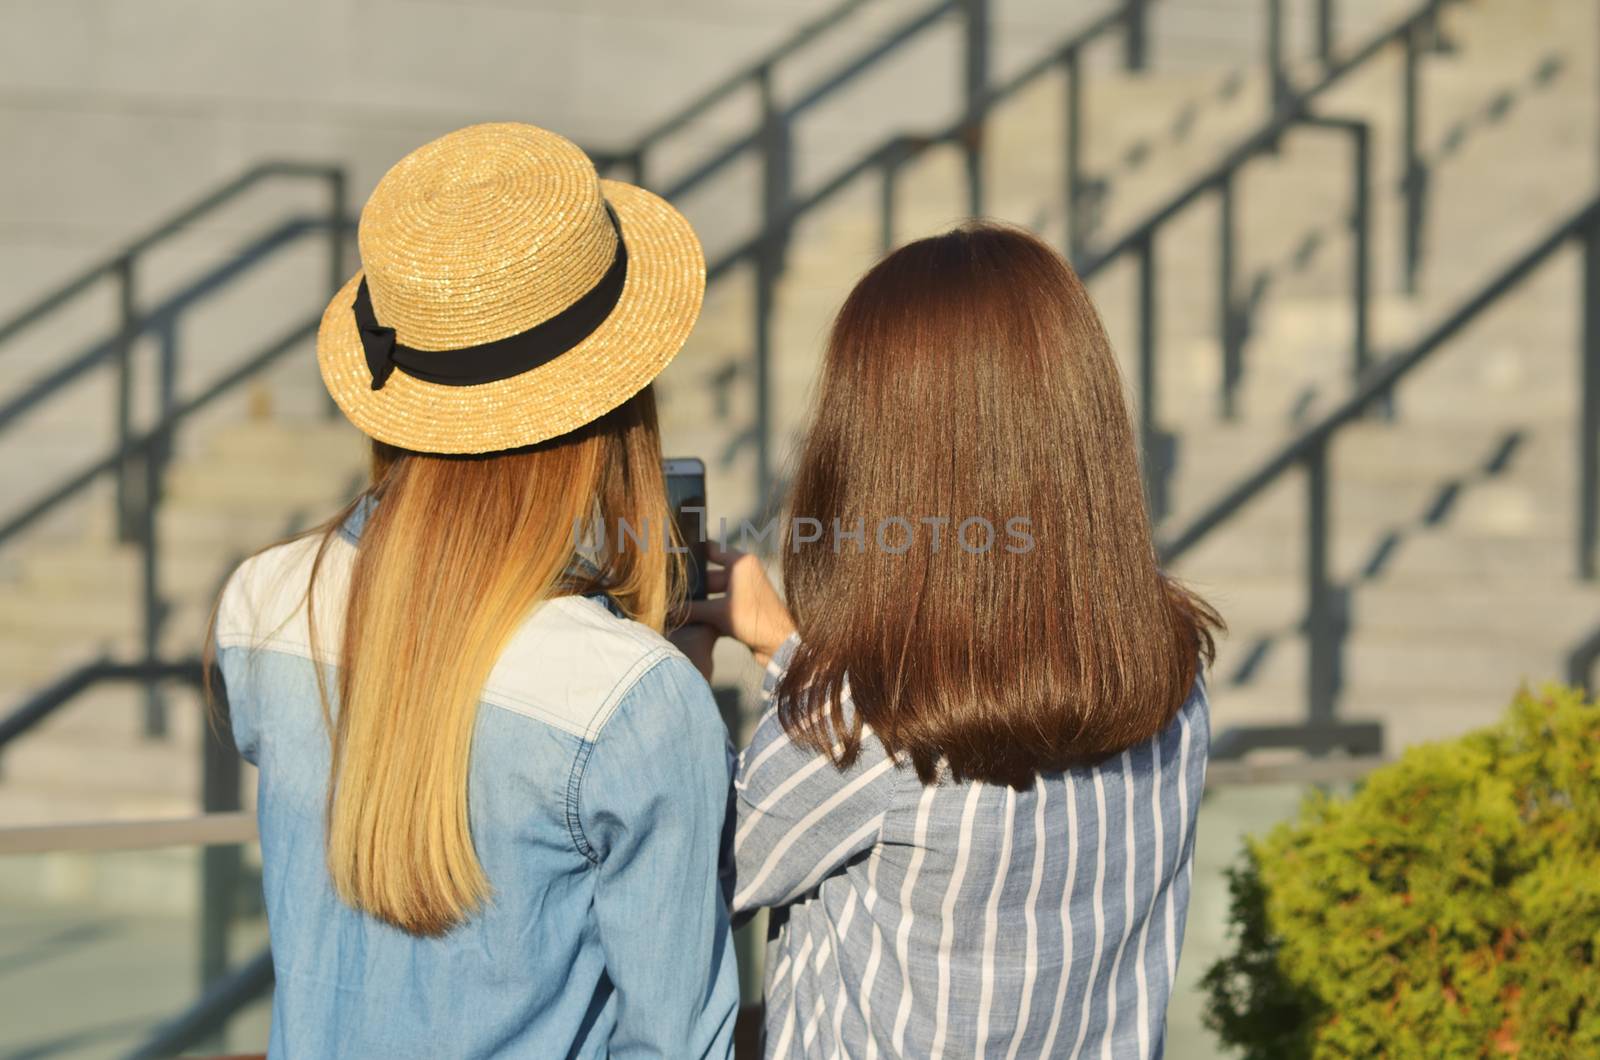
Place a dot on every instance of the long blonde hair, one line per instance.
(455, 553)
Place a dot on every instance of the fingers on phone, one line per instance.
(725, 557)
(713, 613)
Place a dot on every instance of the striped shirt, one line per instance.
(968, 920)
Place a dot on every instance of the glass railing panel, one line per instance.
(99, 948)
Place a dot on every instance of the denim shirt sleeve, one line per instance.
(651, 797)
(800, 817)
(238, 711)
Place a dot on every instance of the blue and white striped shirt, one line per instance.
(968, 920)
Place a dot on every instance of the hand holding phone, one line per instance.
(686, 496)
(749, 609)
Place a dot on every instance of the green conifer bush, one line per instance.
(1450, 907)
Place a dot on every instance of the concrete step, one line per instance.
(110, 769)
(60, 800)
(55, 616)
(1441, 668)
(93, 568)
(285, 485)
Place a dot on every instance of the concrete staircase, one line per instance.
(1453, 523)
(69, 600)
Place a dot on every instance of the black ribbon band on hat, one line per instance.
(502, 358)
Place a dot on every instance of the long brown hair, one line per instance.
(454, 554)
(968, 378)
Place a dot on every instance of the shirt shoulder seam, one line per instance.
(625, 684)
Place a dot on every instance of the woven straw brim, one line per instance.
(658, 307)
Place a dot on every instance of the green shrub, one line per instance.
(1449, 908)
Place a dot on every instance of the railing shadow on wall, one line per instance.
(138, 462)
(1326, 621)
(782, 206)
(1293, 110)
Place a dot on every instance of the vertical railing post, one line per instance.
(1135, 39)
(1361, 253)
(337, 196)
(1415, 174)
(338, 191)
(1072, 160)
(769, 264)
(1154, 444)
(152, 609)
(1228, 323)
(1277, 79)
(220, 866)
(166, 382)
(122, 414)
(1324, 612)
(766, 300)
(1325, 31)
(886, 189)
(1589, 428)
(157, 454)
(977, 79)
(775, 167)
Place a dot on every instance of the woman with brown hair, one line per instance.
(971, 803)
(491, 793)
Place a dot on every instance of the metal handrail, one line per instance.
(771, 134)
(782, 209)
(760, 77)
(207, 829)
(1293, 109)
(63, 690)
(154, 319)
(115, 265)
(1322, 729)
(225, 193)
(145, 445)
(137, 459)
(749, 74)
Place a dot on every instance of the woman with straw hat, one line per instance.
(491, 792)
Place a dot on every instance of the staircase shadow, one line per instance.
(1309, 248)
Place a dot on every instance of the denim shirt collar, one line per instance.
(356, 521)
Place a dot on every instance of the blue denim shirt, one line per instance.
(597, 795)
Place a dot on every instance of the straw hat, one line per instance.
(508, 295)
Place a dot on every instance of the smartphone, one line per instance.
(686, 496)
